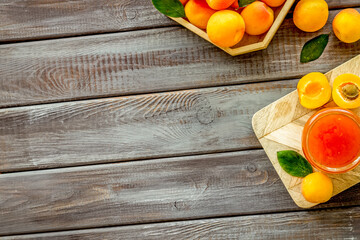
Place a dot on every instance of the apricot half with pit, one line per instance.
(346, 91)
(314, 90)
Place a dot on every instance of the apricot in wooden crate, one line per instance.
(258, 18)
(226, 28)
(198, 13)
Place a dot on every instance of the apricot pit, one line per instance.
(346, 91)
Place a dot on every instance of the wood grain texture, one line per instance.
(149, 61)
(135, 127)
(342, 3)
(225, 184)
(279, 127)
(330, 224)
(38, 19)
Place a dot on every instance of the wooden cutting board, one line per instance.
(279, 126)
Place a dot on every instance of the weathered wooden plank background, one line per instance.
(53, 19)
(134, 127)
(193, 187)
(162, 92)
(329, 224)
(149, 61)
(39, 19)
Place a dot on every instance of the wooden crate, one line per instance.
(248, 43)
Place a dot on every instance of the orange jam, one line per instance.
(331, 140)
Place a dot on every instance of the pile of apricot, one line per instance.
(226, 23)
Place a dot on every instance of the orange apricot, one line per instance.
(183, 2)
(346, 25)
(198, 12)
(220, 4)
(225, 28)
(311, 15)
(317, 187)
(258, 18)
(274, 3)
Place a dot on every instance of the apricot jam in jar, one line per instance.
(331, 140)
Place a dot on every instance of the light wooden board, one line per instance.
(149, 61)
(60, 18)
(330, 224)
(279, 127)
(135, 127)
(224, 184)
(248, 43)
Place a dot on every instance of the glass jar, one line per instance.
(331, 140)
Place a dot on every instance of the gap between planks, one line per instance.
(170, 189)
(39, 40)
(30, 171)
(109, 96)
(107, 130)
(99, 231)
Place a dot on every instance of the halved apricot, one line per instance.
(346, 91)
(314, 90)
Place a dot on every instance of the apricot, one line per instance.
(220, 4)
(317, 187)
(183, 2)
(346, 25)
(226, 28)
(258, 18)
(198, 12)
(311, 15)
(314, 90)
(274, 3)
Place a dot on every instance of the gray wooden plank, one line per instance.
(34, 19)
(329, 224)
(335, 4)
(134, 127)
(52, 19)
(225, 184)
(149, 61)
(342, 3)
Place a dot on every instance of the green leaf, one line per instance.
(171, 8)
(244, 3)
(313, 48)
(294, 164)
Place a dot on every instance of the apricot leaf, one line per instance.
(244, 3)
(294, 164)
(313, 48)
(171, 8)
